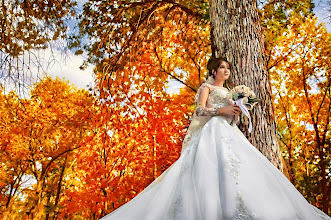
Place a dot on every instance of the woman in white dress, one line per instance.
(219, 175)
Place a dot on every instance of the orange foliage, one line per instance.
(66, 154)
(38, 136)
(140, 127)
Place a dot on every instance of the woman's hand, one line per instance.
(230, 110)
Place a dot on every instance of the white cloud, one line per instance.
(67, 67)
(52, 62)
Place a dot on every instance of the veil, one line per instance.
(210, 80)
(197, 122)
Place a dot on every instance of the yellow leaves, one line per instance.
(127, 137)
(27, 27)
(38, 140)
(302, 102)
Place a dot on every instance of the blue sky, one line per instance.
(323, 12)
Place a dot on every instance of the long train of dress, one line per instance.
(219, 176)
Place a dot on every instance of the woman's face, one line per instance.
(223, 71)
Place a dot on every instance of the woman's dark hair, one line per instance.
(213, 64)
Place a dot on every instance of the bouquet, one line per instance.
(245, 98)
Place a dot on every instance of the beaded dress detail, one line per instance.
(217, 98)
(219, 176)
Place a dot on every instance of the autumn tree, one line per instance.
(26, 27)
(138, 23)
(276, 17)
(237, 34)
(301, 84)
(139, 47)
(39, 135)
(142, 125)
(87, 156)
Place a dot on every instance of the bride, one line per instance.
(219, 175)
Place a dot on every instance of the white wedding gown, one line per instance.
(219, 176)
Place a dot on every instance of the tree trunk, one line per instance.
(236, 34)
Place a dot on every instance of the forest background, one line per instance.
(81, 153)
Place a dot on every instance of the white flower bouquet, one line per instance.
(245, 98)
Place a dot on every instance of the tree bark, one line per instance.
(237, 35)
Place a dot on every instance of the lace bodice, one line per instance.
(217, 98)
